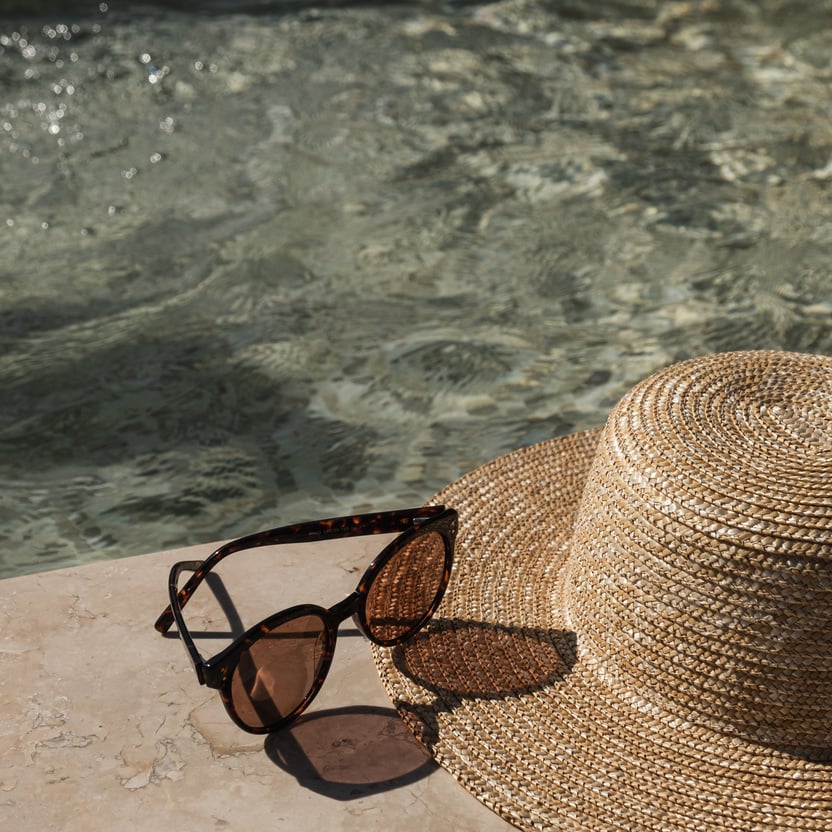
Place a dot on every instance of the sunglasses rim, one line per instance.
(447, 535)
(222, 667)
(217, 671)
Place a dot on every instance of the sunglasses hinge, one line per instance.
(423, 518)
(211, 675)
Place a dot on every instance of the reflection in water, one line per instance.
(306, 262)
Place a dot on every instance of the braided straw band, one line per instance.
(638, 631)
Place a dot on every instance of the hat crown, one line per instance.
(699, 578)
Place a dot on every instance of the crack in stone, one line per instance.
(168, 765)
(67, 739)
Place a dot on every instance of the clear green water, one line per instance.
(267, 262)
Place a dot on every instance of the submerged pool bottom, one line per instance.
(260, 268)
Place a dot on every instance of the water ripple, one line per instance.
(266, 262)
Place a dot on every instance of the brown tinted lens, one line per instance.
(275, 674)
(404, 590)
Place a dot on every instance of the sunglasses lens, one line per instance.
(278, 672)
(406, 589)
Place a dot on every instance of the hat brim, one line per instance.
(496, 690)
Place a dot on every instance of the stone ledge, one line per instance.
(105, 726)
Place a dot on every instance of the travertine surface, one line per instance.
(105, 727)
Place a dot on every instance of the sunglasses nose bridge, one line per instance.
(346, 608)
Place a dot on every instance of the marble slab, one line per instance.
(105, 727)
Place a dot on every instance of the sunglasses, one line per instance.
(269, 675)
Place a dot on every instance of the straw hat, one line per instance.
(638, 631)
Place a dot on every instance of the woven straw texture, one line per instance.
(638, 630)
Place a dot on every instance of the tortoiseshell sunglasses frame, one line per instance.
(217, 672)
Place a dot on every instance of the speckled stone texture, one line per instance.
(105, 727)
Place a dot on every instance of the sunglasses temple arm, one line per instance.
(176, 614)
(381, 523)
(180, 597)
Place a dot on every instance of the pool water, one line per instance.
(270, 262)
